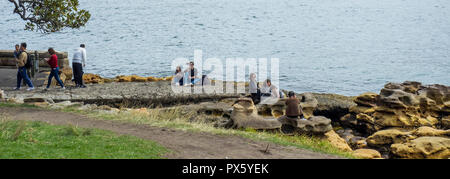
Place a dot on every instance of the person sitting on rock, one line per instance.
(253, 89)
(178, 78)
(293, 109)
(269, 90)
(53, 62)
(193, 72)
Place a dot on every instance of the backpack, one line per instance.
(29, 64)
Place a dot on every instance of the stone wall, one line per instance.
(7, 58)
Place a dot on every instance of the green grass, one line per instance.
(37, 140)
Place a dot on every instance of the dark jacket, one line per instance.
(293, 109)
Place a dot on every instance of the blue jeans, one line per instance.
(54, 73)
(22, 74)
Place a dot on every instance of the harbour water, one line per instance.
(327, 46)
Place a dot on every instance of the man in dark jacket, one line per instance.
(293, 110)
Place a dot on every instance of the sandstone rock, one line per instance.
(138, 79)
(423, 148)
(446, 122)
(367, 99)
(357, 142)
(315, 125)
(68, 72)
(388, 137)
(332, 106)
(409, 104)
(366, 154)
(245, 115)
(429, 131)
(92, 78)
(308, 104)
(337, 141)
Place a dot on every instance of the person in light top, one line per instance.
(78, 63)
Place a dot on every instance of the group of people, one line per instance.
(189, 76)
(24, 63)
(266, 91)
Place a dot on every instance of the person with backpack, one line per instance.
(78, 63)
(53, 62)
(23, 62)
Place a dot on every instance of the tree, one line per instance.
(51, 15)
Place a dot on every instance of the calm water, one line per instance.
(335, 46)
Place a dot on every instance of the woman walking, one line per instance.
(53, 62)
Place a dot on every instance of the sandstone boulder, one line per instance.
(245, 115)
(446, 122)
(337, 141)
(317, 125)
(367, 99)
(366, 154)
(408, 104)
(388, 137)
(423, 148)
(429, 131)
(92, 78)
(308, 103)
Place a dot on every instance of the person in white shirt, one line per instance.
(78, 63)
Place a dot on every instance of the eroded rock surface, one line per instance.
(423, 148)
(409, 104)
(245, 115)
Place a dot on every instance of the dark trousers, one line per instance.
(22, 75)
(54, 73)
(78, 73)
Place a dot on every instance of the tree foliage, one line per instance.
(50, 15)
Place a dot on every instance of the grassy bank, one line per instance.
(37, 140)
(177, 118)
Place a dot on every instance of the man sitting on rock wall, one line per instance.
(293, 111)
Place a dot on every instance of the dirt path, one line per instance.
(186, 145)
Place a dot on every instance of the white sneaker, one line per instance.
(29, 89)
(63, 88)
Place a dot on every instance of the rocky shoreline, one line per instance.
(407, 120)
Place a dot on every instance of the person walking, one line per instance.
(78, 63)
(53, 62)
(22, 70)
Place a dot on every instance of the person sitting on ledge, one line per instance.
(293, 111)
(178, 78)
(193, 72)
(269, 90)
(53, 62)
